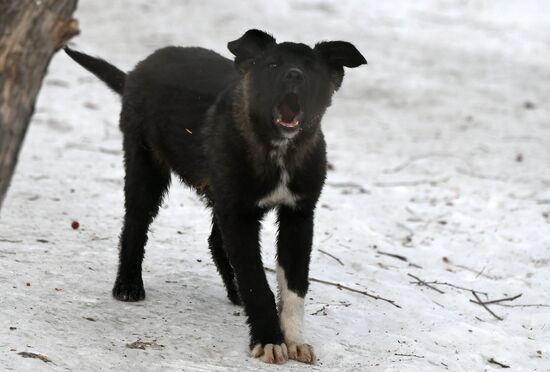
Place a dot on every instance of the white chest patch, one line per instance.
(281, 194)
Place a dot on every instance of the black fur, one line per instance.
(112, 76)
(223, 128)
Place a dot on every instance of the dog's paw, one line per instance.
(270, 353)
(301, 353)
(129, 292)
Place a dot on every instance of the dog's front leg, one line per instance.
(293, 255)
(240, 234)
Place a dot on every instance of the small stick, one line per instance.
(412, 183)
(473, 174)
(327, 238)
(10, 240)
(319, 311)
(500, 300)
(352, 185)
(457, 287)
(481, 272)
(422, 282)
(525, 305)
(26, 354)
(409, 355)
(330, 255)
(498, 363)
(417, 158)
(479, 302)
(478, 273)
(365, 293)
(341, 286)
(399, 257)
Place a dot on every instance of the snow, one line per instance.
(440, 154)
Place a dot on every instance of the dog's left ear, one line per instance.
(249, 46)
(339, 54)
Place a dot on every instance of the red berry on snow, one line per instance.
(75, 225)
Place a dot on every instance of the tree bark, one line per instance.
(31, 31)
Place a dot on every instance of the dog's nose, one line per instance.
(294, 75)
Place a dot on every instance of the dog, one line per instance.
(246, 135)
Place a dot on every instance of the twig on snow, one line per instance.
(26, 354)
(524, 305)
(424, 283)
(481, 272)
(499, 300)
(477, 272)
(341, 286)
(399, 257)
(479, 302)
(433, 182)
(473, 174)
(498, 363)
(409, 355)
(327, 238)
(435, 282)
(349, 185)
(332, 256)
(365, 293)
(414, 159)
(321, 310)
(10, 241)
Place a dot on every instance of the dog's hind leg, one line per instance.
(293, 255)
(222, 263)
(145, 183)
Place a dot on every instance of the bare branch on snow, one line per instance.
(424, 283)
(341, 286)
(479, 302)
(332, 256)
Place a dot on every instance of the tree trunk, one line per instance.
(31, 31)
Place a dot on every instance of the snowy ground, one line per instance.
(440, 148)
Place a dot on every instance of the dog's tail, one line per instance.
(109, 74)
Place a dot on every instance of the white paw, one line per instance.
(270, 353)
(301, 352)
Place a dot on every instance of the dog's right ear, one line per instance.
(339, 54)
(249, 46)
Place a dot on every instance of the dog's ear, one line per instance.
(339, 54)
(248, 46)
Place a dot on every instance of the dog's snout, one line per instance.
(294, 75)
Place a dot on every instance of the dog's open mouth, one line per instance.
(288, 112)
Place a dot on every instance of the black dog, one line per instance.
(246, 136)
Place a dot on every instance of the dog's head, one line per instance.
(290, 85)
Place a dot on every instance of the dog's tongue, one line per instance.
(287, 114)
